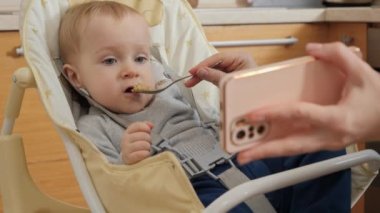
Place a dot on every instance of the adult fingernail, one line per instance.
(313, 46)
(150, 124)
(256, 118)
(202, 73)
(348, 139)
(193, 71)
(242, 160)
(356, 51)
(259, 118)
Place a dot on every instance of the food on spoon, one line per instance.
(140, 88)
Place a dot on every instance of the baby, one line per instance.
(105, 48)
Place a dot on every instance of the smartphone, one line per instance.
(302, 79)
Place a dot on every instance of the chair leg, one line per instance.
(19, 192)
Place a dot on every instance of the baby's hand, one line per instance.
(136, 142)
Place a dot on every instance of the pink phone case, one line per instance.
(302, 79)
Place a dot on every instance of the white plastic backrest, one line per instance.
(179, 38)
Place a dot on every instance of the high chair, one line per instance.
(158, 183)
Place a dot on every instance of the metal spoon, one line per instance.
(155, 91)
(142, 89)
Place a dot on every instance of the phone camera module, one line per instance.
(244, 132)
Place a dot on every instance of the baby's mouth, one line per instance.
(129, 89)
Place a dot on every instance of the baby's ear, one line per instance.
(72, 75)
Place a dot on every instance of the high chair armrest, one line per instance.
(283, 179)
(21, 79)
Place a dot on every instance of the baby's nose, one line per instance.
(129, 73)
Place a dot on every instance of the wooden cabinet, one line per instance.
(46, 157)
(354, 33)
(269, 54)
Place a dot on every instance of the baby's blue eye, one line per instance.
(141, 59)
(110, 61)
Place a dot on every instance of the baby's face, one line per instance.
(114, 56)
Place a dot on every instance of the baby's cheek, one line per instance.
(105, 95)
(151, 82)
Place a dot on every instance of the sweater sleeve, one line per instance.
(104, 133)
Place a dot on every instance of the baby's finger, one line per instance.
(140, 127)
(136, 157)
(139, 136)
(139, 146)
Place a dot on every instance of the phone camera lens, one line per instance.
(240, 135)
(261, 129)
(251, 135)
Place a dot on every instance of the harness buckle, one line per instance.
(198, 165)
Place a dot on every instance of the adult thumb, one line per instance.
(210, 74)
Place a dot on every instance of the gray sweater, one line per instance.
(175, 122)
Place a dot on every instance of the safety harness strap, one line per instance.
(233, 177)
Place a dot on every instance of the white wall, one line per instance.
(9, 14)
(10, 3)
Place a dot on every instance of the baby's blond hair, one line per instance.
(73, 22)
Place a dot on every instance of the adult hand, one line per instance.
(136, 142)
(213, 68)
(355, 118)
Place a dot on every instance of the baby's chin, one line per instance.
(137, 106)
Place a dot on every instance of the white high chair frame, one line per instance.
(20, 194)
(17, 185)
